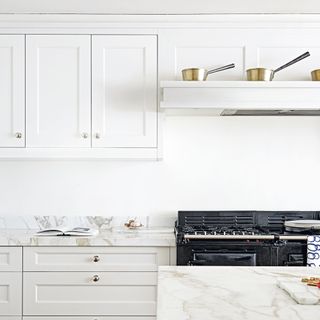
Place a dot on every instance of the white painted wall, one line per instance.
(210, 163)
(159, 6)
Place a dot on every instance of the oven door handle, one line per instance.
(297, 263)
(197, 262)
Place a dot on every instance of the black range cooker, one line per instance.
(241, 238)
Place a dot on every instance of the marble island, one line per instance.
(231, 293)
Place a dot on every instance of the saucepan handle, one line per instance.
(303, 56)
(229, 66)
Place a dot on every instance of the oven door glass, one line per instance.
(223, 259)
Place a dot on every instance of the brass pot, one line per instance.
(263, 74)
(199, 74)
(260, 74)
(315, 75)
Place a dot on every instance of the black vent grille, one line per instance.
(271, 219)
(217, 219)
(281, 219)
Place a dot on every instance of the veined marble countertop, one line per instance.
(230, 293)
(153, 237)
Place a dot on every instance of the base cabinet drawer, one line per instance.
(90, 294)
(10, 294)
(10, 259)
(95, 258)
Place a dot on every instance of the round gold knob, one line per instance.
(18, 135)
(95, 278)
(96, 258)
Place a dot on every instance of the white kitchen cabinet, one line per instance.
(12, 88)
(58, 94)
(10, 293)
(90, 293)
(124, 91)
(95, 258)
(246, 47)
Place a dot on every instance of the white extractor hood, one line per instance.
(242, 98)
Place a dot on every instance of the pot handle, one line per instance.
(303, 56)
(229, 66)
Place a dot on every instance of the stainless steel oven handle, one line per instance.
(197, 262)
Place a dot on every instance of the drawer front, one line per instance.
(10, 259)
(94, 258)
(76, 293)
(10, 294)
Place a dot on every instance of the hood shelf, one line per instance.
(241, 98)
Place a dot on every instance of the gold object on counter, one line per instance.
(315, 75)
(133, 224)
(311, 281)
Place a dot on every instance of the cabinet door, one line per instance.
(12, 97)
(58, 91)
(90, 293)
(10, 293)
(124, 91)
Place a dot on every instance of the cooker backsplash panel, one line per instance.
(209, 163)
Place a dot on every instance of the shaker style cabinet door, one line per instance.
(124, 91)
(12, 103)
(10, 294)
(58, 91)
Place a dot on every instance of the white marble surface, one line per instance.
(231, 293)
(106, 222)
(116, 237)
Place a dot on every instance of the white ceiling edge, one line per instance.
(159, 6)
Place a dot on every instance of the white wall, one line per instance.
(159, 6)
(210, 163)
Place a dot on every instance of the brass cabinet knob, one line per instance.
(85, 135)
(18, 135)
(96, 258)
(95, 278)
(97, 135)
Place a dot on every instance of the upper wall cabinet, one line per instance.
(58, 91)
(12, 105)
(246, 47)
(124, 91)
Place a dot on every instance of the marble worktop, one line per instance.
(154, 237)
(231, 293)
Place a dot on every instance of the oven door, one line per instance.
(223, 259)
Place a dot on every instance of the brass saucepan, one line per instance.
(315, 75)
(263, 74)
(199, 74)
